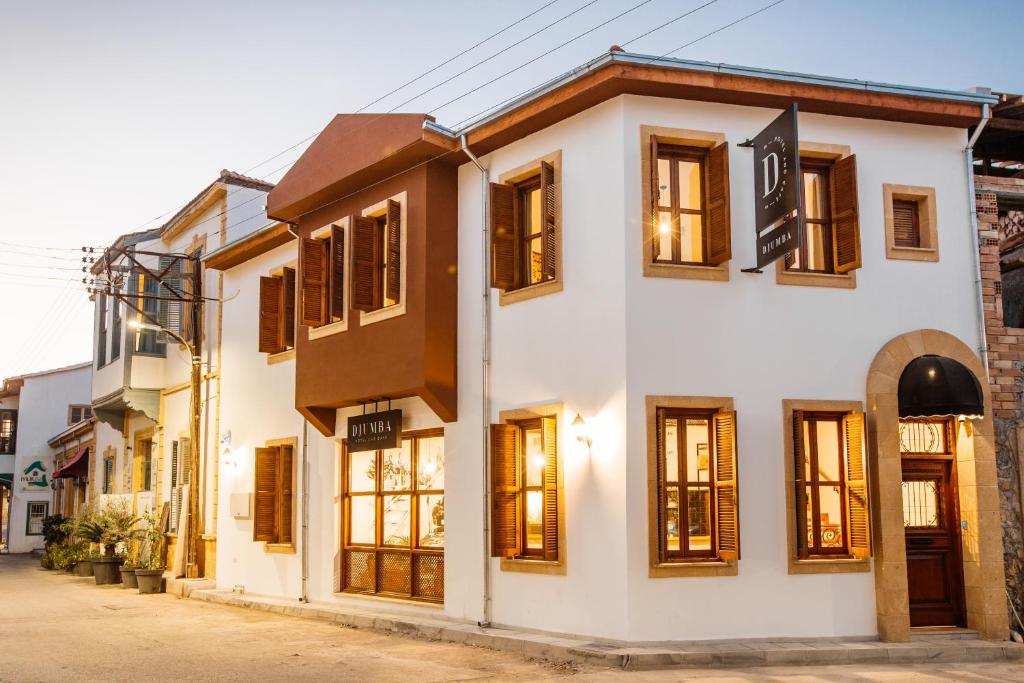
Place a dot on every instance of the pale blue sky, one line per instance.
(115, 113)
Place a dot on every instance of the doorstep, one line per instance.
(183, 587)
(718, 653)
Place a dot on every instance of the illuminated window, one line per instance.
(680, 206)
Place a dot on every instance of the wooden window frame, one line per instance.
(924, 197)
(822, 564)
(286, 350)
(376, 211)
(28, 516)
(277, 546)
(515, 177)
(9, 440)
(107, 476)
(823, 168)
(685, 553)
(80, 406)
(336, 324)
(139, 483)
(815, 484)
(660, 566)
(675, 154)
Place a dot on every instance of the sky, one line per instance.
(114, 114)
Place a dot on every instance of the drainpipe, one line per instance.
(973, 215)
(304, 547)
(485, 402)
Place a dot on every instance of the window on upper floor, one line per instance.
(78, 412)
(322, 272)
(377, 258)
(8, 431)
(101, 330)
(108, 474)
(277, 312)
(148, 341)
(830, 233)
(910, 225)
(115, 328)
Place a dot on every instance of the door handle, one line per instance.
(921, 541)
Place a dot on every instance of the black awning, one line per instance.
(933, 386)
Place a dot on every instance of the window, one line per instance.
(273, 509)
(322, 272)
(101, 335)
(830, 233)
(8, 431)
(906, 223)
(910, 227)
(37, 512)
(186, 285)
(377, 258)
(829, 485)
(78, 412)
(142, 472)
(277, 312)
(108, 474)
(148, 341)
(181, 469)
(393, 531)
(115, 331)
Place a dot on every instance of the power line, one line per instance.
(722, 28)
(667, 23)
(36, 246)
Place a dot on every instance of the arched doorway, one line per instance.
(973, 554)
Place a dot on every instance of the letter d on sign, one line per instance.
(771, 173)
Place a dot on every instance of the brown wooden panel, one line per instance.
(505, 541)
(270, 300)
(549, 209)
(718, 214)
(504, 274)
(393, 238)
(845, 219)
(549, 430)
(265, 520)
(726, 485)
(313, 267)
(364, 264)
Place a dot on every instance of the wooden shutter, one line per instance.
(285, 476)
(856, 486)
(799, 485)
(905, 223)
(270, 315)
(265, 511)
(364, 265)
(653, 211)
(186, 461)
(288, 307)
(393, 286)
(549, 432)
(169, 285)
(313, 268)
(726, 486)
(719, 231)
(548, 210)
(845, 222)
(337, 272)
(504, 490)
(504, 274)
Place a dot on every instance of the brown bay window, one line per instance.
(277, 312)
(830, 233)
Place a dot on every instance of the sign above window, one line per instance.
(374, 431)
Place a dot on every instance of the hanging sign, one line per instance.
(777, 195)
(374, 431)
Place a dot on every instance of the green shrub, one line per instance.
(55, 529)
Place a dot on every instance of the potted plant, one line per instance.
(150, 574)
(54, 536)
(131, 563)
(84, 566)
(88, 527)
(117, 525)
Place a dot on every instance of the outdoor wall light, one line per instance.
(582, 432)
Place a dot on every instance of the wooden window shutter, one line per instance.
(799, 485)
(905, 223)
(659, 466)
(265, 511)
(393, 285)
(337, 272)
(549, 208)
(288, 307)
(270, 315)
(653, 208)
(364, 265)
(313, 268)
(726, 486)
(719, 229)
(186, 460)
(845, 221)
(285, 463)
(856, 486)
(504, 490)
(504, 274)
(549, 429)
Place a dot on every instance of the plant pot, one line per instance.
(84, 568)
(128, 577)
(150, 580)
(107, 570)
(70, 569)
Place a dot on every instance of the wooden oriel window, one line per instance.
(393, 530)
(524, 244)
(830, 233)
(273, 509)
(698, 507)
(524, 471)
(377, 259)
(830, 486)
(906, 221)
(322, 273)
(277, 312)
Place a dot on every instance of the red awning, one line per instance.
(78, 466)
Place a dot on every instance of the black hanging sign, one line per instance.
(374, 431)
(777, 195)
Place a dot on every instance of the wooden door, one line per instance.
(931, 523)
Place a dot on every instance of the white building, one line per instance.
(617, 363)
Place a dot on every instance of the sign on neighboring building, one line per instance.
(374, 431)
(777, 195)
(33, 477)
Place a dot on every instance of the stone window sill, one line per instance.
(665, 570)
(529, 566)
(840, 281)
(840, 565)
(681, 272)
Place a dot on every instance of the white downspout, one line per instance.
(485, 402)
(973, 215)
(304, 548)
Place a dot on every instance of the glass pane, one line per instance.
(671, 442)
(697, 453)
(830, 514)
(430, 463)
(819, 256)
(397, 520)
(691, 238)
(921, 503)
(672, 518)
(663, 238)
(362, 471)
(809, 515)
(534, 457)
(534, 520)
(923, 437)
(663, 194)
(829, 453)
(533, 212)
(363, 520)
(815, 194)
(431, 520)
(807, 450)
(396, 468)
(535, 269)
(689, 185)
(698, 515)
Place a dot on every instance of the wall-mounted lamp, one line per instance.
(579, 428)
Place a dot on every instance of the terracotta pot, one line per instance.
(84, 568)
(128, 579)
(107, 570)
(150, 580)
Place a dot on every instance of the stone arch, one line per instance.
(984, 581)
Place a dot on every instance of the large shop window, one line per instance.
(830, 233)
(322, 272)
(277, 312)
(274, 509)
(829, 485)
(393, 530)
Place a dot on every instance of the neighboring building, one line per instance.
(33, 407)
(599, 407)
(73, 448)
